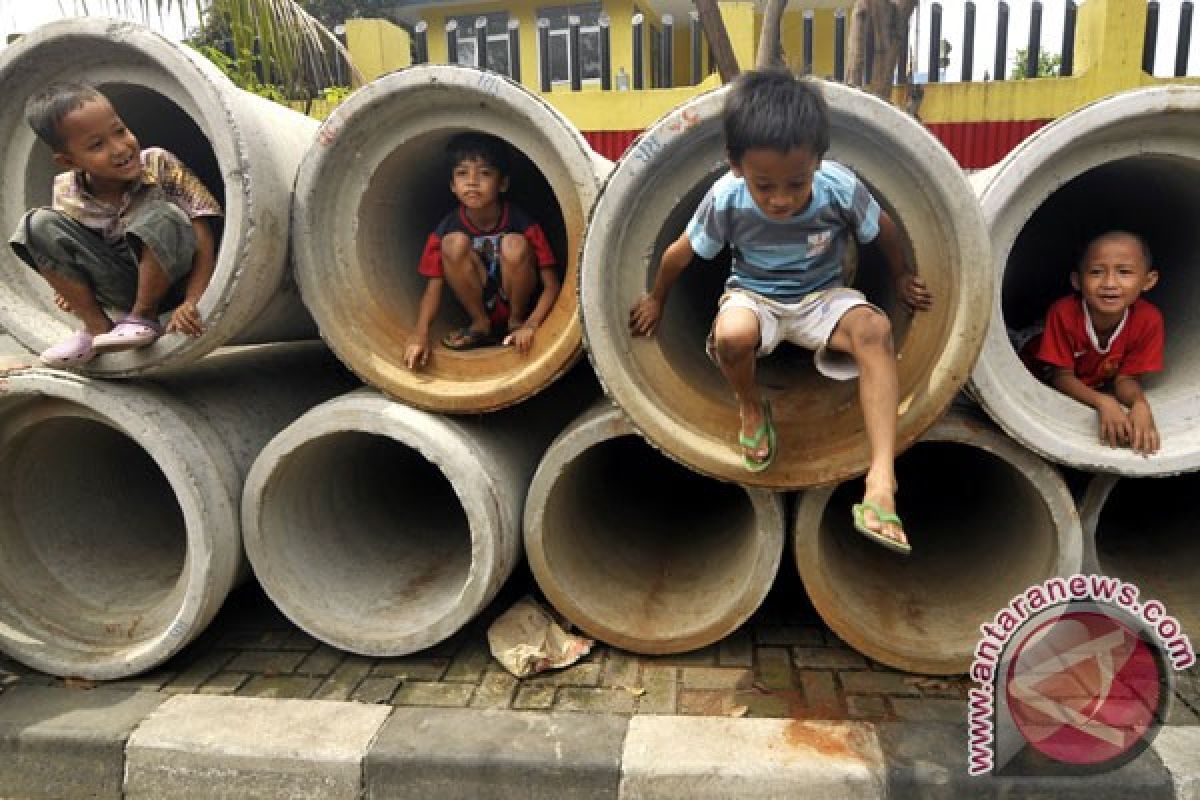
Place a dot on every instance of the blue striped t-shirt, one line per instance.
(785, 259)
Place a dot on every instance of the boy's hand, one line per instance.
(913, 292)
(61, 302)
(1143, 433)
(1114, 423)
(186, 320)
(520, 338)
(416, 354)
(644, 316)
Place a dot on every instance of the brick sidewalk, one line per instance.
(784, 663)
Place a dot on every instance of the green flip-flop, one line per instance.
(859, 511)
(752, 443)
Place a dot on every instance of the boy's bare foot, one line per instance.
(752, 427)
(876, 518)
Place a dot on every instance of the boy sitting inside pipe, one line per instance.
(127, 228)
(1098, 343)
(787, 214)
(489, 252)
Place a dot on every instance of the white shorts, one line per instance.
(808, 323)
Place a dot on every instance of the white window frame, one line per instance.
(565, 32)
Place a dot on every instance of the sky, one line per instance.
(20, 16)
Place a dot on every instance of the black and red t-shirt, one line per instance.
(486, 242)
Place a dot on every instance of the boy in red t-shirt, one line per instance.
(1108, 338)
(489, 252)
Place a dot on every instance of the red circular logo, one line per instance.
(1083, 688)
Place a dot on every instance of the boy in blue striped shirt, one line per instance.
(786, 214)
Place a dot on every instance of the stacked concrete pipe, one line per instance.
(677, 398)
(986, 518)
(119, 529)
(374, 185)
(1130, 162)
(640, 552)
(382, 529)
(245, 149)
(1143, 531)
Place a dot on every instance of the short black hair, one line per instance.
(1116, 234)
(772, 109)
(46, 110)
(491, 150)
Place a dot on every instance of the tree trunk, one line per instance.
(887, 21)
(718, 39)
(770, 43)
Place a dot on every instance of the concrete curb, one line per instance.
(66, 744)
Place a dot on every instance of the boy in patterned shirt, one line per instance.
(127, 229)
(787, 215)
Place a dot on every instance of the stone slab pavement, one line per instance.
(781, 708)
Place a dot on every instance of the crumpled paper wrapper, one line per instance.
(526, 640)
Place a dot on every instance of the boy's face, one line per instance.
(96, 141)
(780, 183)
(1113, 274)
(477, 184)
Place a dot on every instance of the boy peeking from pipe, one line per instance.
(1098, 343)
(787, 214)
(127, 228)
(490, 253)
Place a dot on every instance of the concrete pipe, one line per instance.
(374, 185)
(119, 530)
(677, 398)
(1143, 531)
(986, 519)
(383, 529)
(243, 147)
(1130, 162)
(640, 552)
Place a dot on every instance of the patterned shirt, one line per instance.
(785, 260)
(159, 168)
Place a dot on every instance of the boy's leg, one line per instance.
(518, 276)
(867, 335)
(465, 275)
(736, 334)
(162, 238)
(81, 299)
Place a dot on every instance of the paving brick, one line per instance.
(820, 694)
(146, 682)
(266, 662)
(662, 690)
(446, 695)
(773, 704)
(496, 690)
(280, 686)
(707, 703)
(775, 668)
(470, 663)
(321, 661)
(621, 669)
(737, 649)
(866, 707)
(797, 635)
(534, 698)
(412, 668)
(716, 678)
(345, 679)
(199, 671)
(704, 657)
(585, 673)
(896, 683)
(578, 698)
(929, 709)
(299, 640)
(258, 639)
(224, 683)
(827, 658)
(375, 690)
(1182, 714)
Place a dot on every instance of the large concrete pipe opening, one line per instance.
(640, 552)
(1129, 162)
(376, 183)
(986, 519)
(244, 148)
(1143, 531)
(677, 398)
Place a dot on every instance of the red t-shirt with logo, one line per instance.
(1070, 342)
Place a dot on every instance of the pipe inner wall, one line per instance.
(1129, 162)
(375, 185)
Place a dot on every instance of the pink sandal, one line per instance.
(129, 333)
(76, 349)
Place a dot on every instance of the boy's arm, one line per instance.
(1114, 422)
(647, 311)
(1143, 432)
(909, 287)
(416, 352)
(186, 318)
(522, 337)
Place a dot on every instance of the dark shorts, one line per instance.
(50, 240)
